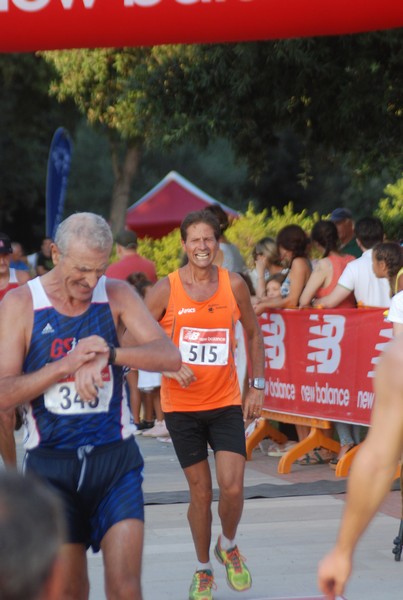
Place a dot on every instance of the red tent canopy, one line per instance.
(164, 207)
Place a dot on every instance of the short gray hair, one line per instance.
(84, 226)
(32, 529)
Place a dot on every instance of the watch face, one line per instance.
(259, 383)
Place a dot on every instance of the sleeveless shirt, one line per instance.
(58, 418)
(12, 283)
(339, 262)
(204, 332)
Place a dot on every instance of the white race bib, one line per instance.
(208, 347)
(62, 398)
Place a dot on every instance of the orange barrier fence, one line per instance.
(319, 369)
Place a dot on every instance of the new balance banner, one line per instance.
(320, 363)
(28, 25)
(57, 178)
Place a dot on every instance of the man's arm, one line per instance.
(372, 471)
(149, 348)
(16, 317)
(336, 296)
(254, 398)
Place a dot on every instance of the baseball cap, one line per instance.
(5, 244)
(339, 214)
(126, 238)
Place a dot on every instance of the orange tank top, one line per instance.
(339, 263)
(205, 334)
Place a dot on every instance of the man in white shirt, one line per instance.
(358, 276)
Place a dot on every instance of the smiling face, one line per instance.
(81, 269)
(201, 245)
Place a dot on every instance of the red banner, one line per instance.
(29, 25)
(320, 363)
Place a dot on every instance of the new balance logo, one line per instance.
(328, 334)
(387, 334)
(47, 329)
(274, 342)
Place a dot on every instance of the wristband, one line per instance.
(112, 354)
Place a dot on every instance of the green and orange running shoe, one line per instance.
(238, 575)
(202, 584)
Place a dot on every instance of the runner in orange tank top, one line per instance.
(198, 306)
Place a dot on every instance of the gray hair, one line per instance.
(84, 226)
(32, 529)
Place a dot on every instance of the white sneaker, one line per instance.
(159, 430)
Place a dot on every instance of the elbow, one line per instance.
(175, 360)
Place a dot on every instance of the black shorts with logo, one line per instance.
(191, 432)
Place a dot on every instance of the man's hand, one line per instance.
(84, 351)
(253, 404)
(184, 376)
(333, 573)
(88, 378)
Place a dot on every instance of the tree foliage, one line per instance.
(390, 210)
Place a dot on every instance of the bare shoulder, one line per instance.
(16, 307)
(239, 286)
(158, 297)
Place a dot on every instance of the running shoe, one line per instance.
(238, 575)
(202, 584)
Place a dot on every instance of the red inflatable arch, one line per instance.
(28, 25)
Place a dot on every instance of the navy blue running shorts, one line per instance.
(99, 486)
(222, 429)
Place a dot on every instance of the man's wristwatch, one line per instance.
(258, 383)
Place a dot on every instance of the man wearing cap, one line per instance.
(9, 279)
(343, 219)
(129, 261)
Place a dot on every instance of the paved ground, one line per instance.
(282, 537)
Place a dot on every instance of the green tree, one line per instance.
(390, 210)
(97, 81)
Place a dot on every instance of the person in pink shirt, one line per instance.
(129, 260)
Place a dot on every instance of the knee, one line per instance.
(231, 489)
(201, 497)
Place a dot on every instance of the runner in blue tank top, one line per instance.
(63, 356)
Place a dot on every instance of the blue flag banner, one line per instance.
(57, 178)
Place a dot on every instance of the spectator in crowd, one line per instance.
(395, 313)
(149, 383)
(63, 356)
(322, 281)
(228, 255)
(18, 259)
(375, 464)
(387, 262)
(32, 530)
(129, 261)
(343, 219)
(44, 262)
(358, 276)
(267, 262)
(328, 268)
(10, 278)
(292, 243)
(198, 306)
(273, 286)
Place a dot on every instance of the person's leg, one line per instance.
(122, 549)
(75, 585)
(199, 511)
(134, 395)
(230, 468)
(7, 442)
